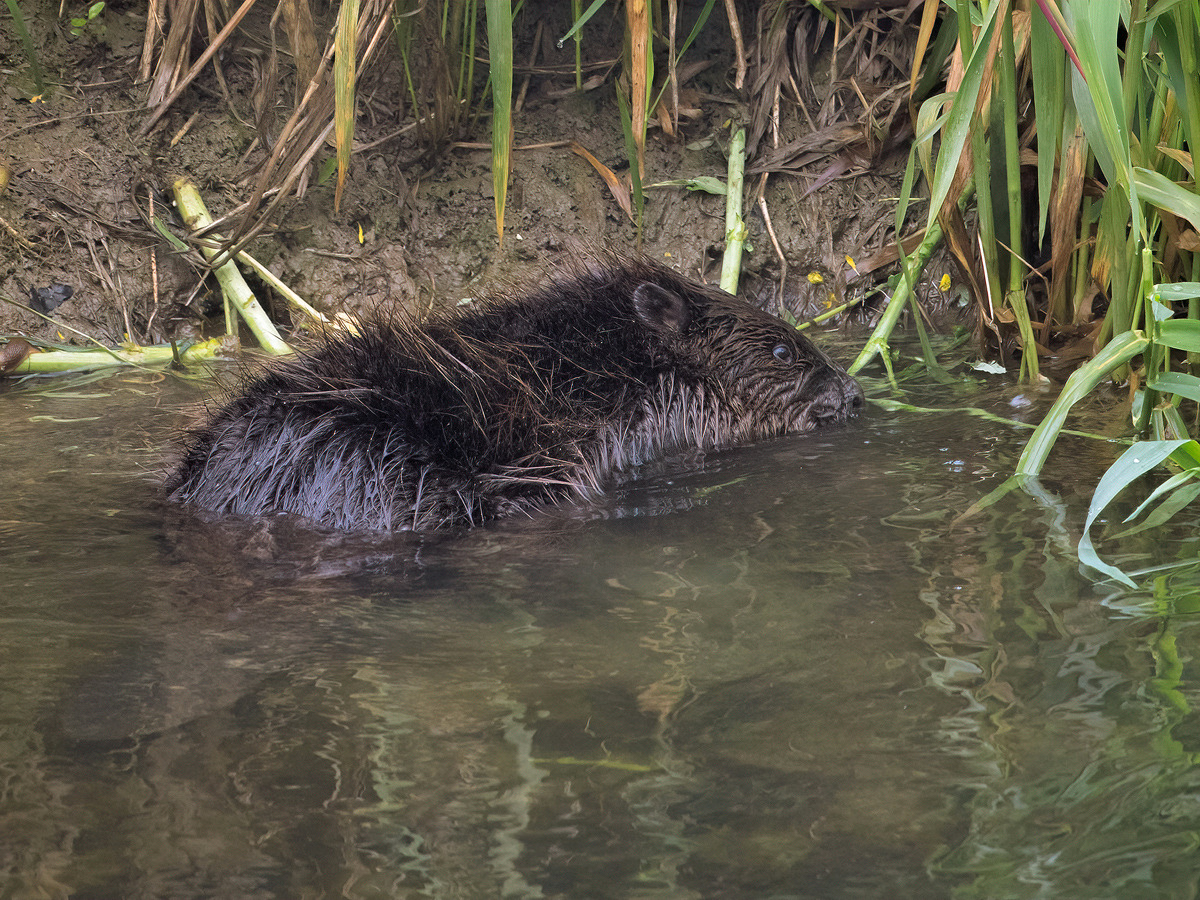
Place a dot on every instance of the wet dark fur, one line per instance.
(508, 404)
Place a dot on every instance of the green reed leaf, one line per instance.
(500, 60)
(1164, 193)
(1120, 350)
(1132, 464)
(1181, 334)
(1178, 383)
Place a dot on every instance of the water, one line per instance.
(792, 673)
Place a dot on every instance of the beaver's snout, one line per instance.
(838, 399)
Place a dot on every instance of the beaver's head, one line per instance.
(740, 374)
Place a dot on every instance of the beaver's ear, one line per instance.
(659, 309)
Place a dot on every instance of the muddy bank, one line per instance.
(412, 229)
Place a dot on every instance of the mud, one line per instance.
(411, 230)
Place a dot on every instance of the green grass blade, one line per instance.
(1054, 16)
(500, 60)
(1135, 462)
(1165, 511)
(696, 29)
(1187, 456)
(581, 21)
(631, 153)
(1166, 194)
(930, 121)
(906, 188)
(1179, 290)
(35, 67)
(877, 343)
(1048, 69)
(1115, 243)
(1186, 19)
(962, 116)
(938, 54)
(1090, 558)
(1007, 97)
(1005, 101)
(1176, 481)
(1100, 99)
(701, 20)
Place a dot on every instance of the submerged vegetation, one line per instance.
(1049, 145)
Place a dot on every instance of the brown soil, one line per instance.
(74, 212)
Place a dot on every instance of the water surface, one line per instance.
(791, 672)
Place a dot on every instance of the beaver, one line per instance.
(508, 404)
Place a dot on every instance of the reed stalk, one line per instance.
(237, 293)
(735, 225)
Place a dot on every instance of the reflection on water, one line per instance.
(791, 673)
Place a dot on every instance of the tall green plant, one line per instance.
(959, 124)
(1126, 118)
(437, 46)
(1117, 101)
(1137, 115)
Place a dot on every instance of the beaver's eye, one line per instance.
(784, 354)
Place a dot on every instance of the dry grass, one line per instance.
(285, 169)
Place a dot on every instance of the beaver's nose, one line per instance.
(855, 398)
(841, 398)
